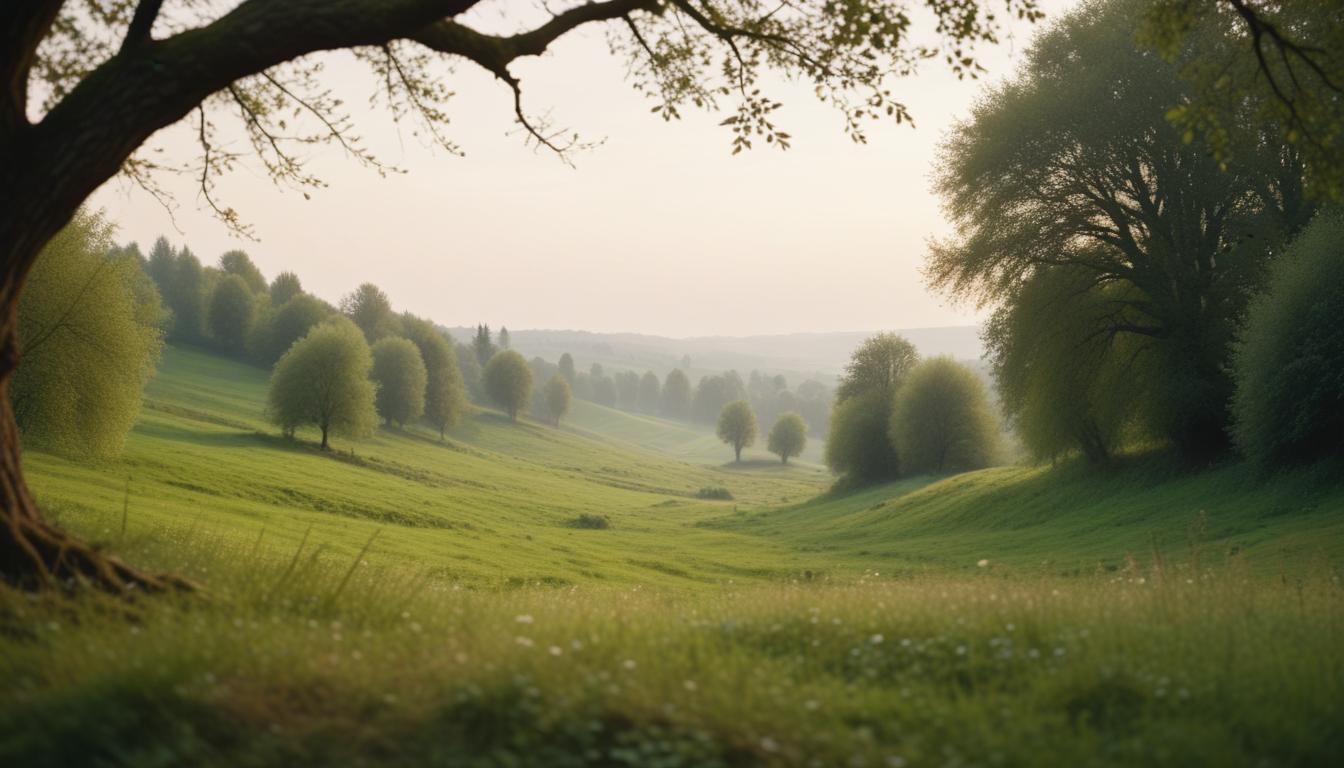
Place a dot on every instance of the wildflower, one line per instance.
(526, 642)
(983, 563)
(524, 618)
(769, 744)
(875, 639)
(629, 664)
(555, 650)
(689, 685)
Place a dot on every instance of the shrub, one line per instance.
(857, 446)
(590, 522)
(788, 437)
(941, 420)
(716, 492)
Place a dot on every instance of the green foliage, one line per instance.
(591, 522)
(941, 420)
(240, 264)
(1289, 366)
(482, 346)
(650, 393)
(284, 287)
(507, 381)
(715, 392)
(371, 311)
(181, 283)
(715, 492)
(857, 446)
(627, 390)
(788, 437)
(399, 372)
(879, 365)
(323, 380)
(676, 395)
(230, 314)
(287, 324)
(737, 426)
(445, 392)
(566, 364)
(557, 396)
(89, 330)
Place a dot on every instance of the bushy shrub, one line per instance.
(590, 522)
(1289, 364)
(857, 446)
(716, 492)
(942, 421)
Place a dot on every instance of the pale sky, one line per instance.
(657, 230)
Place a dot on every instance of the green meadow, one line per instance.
(406, 601)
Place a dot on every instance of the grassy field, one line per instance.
(418, 603)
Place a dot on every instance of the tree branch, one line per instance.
(23, 24)
(137, 33)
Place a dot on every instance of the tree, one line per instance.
(240, 264)
(90, 344)
(650, 392)
(185, 296)
(482, 345)
(503, 337)
(604, 391)
(445, 392)
(508, 382)
(880, 364)
(737, 427)
(627, 390)
(677, 395)
(284, 287)
(371, 311)
(714, 392)
(289, 323)
(104, 83)
(1289, 363)
(567, 368)
(788, 437)
(400, 375)
(942, 421)
(1073, 165)
(557, 398)
(230, 314)
(323, 380)
(857, 447)
(470, 369)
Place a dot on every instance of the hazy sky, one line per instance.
(658, 230)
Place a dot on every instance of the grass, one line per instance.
(417, 603)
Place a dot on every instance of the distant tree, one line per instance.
(470, 368)
(677, 395)
(595, 370)
(714, 392)
(287, 324)
(788, 437)
(685, 362)
(482, 345)
(583, 386)
(604, 391)
(737, 426)
(508, 382)
(284, 287)
(567, 368)
(557, 398)
(400, 375)
(90, 330)
(186, 297)
(445, 392)
(857, 446)
(942, 420)
(323, 380)
(162, 264)
(627, 390)
(880, 365)
(813, 401)
(240, 264)
(371, 311)
(1289, 365)
(503, 338)
(650, 392)
(230, 314)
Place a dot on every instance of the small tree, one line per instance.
(737, 426)
(557, 398)
(677, 395)
(230, 314)
(400, 374)
(880, 364)
(942, 420)
(504, 342)
(508, 382)
(240, 264)
(371, 311)
(323, 380)
(650, 392)
(788, 437)
(482, 345)
(567, 368)
(857, 446)
(284, 287)
(289, 323)
(445, 391)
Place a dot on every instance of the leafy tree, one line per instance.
(604, 391)
(400, 375)
(677, 395)
(470, 369)
(714, 392)
(289, 323)
(508, 382)
(371, 311)
(503, 337)
(284, 287)
(1289, 365)
(650, 392)
(880, 365)
(240, 264)
(567, 368)
(255, 62)
(186, 297)
(627, 390)
(483, 346)
(230, 315)
(737, 426)
(942, 421)
(1073, 165)
(788, 437)
(583, 386)
(91, 337)
(557, 398)
(323, 380)
(162, 263)
(857, 447)
(813, 401)
(445, 392)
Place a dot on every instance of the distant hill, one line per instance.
(809, 355)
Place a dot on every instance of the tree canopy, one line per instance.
(942, 421)
(399, 372)
(788, 437)
(323, 381)
(371, 311)
(737, 427)
(508, 382)
(557, 398)
(880, 364)
(445, 391)
(677, 395)
(230, 313)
